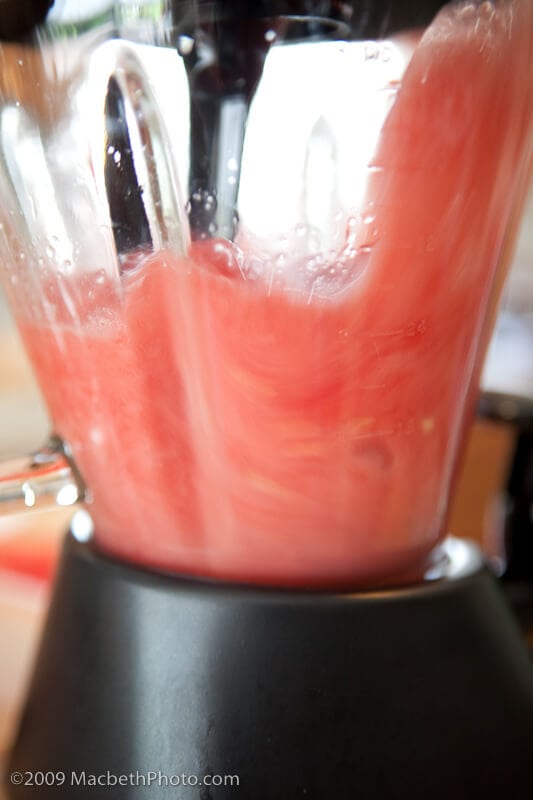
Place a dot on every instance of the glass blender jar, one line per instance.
(254, 251)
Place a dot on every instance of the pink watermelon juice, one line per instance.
(264, 432)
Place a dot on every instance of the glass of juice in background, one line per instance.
(255, 273)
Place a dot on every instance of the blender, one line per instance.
(254, 253)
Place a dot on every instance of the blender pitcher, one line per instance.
(254, 252)
(251, 251)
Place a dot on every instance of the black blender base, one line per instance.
(146, 685)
